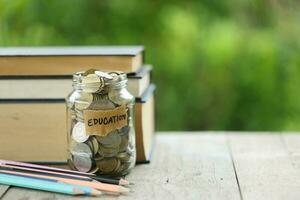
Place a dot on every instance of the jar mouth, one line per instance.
(108, 84)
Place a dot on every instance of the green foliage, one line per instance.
(232, 65)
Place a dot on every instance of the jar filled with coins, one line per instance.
(101, 135)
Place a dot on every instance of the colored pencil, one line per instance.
(22, 164)
(51, 186)
(46, 172)
(96, 185)
(120, 181)
(74, 174)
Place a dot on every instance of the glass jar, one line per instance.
(101, 134)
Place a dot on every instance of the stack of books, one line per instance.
(34, 83)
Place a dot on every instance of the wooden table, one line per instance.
(209, 165)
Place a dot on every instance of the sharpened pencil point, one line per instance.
(123, 189)
(77, 191)
(124, 182)
(96, 192)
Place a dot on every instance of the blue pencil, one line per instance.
(51, 186)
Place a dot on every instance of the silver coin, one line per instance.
(82, 149)
(104, 75)
(112, 139)
(82, 163)
(81, 154)
(78, 133)
(120, 98)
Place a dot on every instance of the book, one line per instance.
(67, 60)
(138, 82)
(58, 87)
(29, 130)
(145, 125)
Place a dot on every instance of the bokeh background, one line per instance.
(218, 65)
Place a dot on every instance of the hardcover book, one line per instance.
(67, 60)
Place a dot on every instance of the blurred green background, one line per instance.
(218, 65)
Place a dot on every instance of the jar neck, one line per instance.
(109, 85)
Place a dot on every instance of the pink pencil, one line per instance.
(7, 162)
(46, 172)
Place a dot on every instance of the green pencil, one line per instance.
(51, 186)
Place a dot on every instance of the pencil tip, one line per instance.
(95, 192)
(77, 191)
(124, 182)
(123, 189)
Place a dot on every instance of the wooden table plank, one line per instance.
(292, 143)
(184, 166)
(3, 189)
(264, 168)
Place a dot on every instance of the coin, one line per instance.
(71, 164)
(117, 168)
(119, 98)
(82, 163)
(78, 115)
(83, 101)
(104, 75)
(90, 71)
(112, 139)
(92, 83)
(108, 165)
(124, 130)
(124, 157)
(102, 104)
(95, 144)
(81, 149)
(98, 96)
(93, 171)
(124, 142)
(71, 99)
(78, 132)
(82, 157)
(108, 151)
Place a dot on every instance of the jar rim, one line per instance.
(116, 83)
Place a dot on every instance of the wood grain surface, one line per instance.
(208, 165)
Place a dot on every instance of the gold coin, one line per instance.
(102, 104)
(108, 151)
(124, 157)
(90, 71)
(107, 165)
(84, 101)
(92, 83)
(99, 96)
(94, 170)
(71, 99)
(117, 168)
(95, 145)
